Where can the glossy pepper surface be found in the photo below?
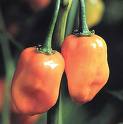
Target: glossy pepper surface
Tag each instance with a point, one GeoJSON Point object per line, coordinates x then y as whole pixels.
{"type": "Point", "coordinates": [36, 82]}
{"type": "Point", "coordinates": [86, 66]}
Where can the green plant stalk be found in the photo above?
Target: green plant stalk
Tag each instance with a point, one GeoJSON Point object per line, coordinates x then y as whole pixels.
{"type": "Point", "coordinates": [72, 17]}
{"type": "Point", "coordinates": [61, 23]}
{"type": "Point", "coordinates": [54, 115]}
{"type": "Point", "coordinates": [65, 2]}
{"type": "Point", "coordinates": [9, 69]}
{"type": "Point", "coordinates": [47, 48]}
{"type": "Point", "coordinates": [84, 30]}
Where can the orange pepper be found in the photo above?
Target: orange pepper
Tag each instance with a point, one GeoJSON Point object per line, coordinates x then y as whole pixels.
{"type": "Point", "coordinates": [36, 82]}
{"type": "Point", "coordinates": [86, 66]}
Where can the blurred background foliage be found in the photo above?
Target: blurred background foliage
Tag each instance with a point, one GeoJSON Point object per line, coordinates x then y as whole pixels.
{"type": "Point", "coordinates": [27, 24]}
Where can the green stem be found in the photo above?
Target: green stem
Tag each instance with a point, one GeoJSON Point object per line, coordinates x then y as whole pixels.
{"type": "Point", "coordinates": [54, 115]}
{"type": "Point", "coordinates": [84, 30]}
{"type": "Point", "coordinates": [61, 23]}
{"type": "Point", "coordinates": [9, 69]}
{"type": "Point", "coordinates": [72, 17]}
{"type": "Point", "coordinates": [65, 2]}
{"type": "Point", "coordinates": [47, 45]}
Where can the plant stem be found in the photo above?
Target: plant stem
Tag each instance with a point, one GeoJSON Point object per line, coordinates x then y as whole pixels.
{"type": "Point", "coordinates": [47, 45]}
{"type": "Point", "coordinates": [61, 24]}
{"type": "Point", "coordinates": [84, 30]}
{"type": "Point", "coordinates": [54, 115]}
{"type": "Point", "coordinates": [9, 69]}
{"type": "Point", "coordinates": [72, 17]}
{"type": "Point", "coordinates": [65, 2]}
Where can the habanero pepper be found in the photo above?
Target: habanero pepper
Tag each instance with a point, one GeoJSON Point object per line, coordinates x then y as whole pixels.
{"type": "Point", "coordinates": [36, 82]}
{"type": "Point", "coordinates": [86, 63]}
{"type": "Point", "coordinates": [86, 66]}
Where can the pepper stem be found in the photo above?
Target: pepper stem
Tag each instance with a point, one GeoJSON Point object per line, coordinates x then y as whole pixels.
{"type": "Point", "coordinates": [47, 47]}
{"type": "Point", "coordinates": [84, 30]}
{"type": "Point", "coordinates": [54, 115]}
{"type": "Point", "coordinates": [9, 70]}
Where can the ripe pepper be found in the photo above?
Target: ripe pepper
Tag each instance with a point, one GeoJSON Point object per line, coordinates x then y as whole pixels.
{"type": "Point", "coordinates": [86, 66]}
{"type": "Point", "coordinates": [36, 82]}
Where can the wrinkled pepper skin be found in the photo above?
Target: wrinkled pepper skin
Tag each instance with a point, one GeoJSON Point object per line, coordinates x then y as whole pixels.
{"type": "Point", "coordinates": [36, 82]}
{"type": "Point", "coordinates": [86, 66]}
